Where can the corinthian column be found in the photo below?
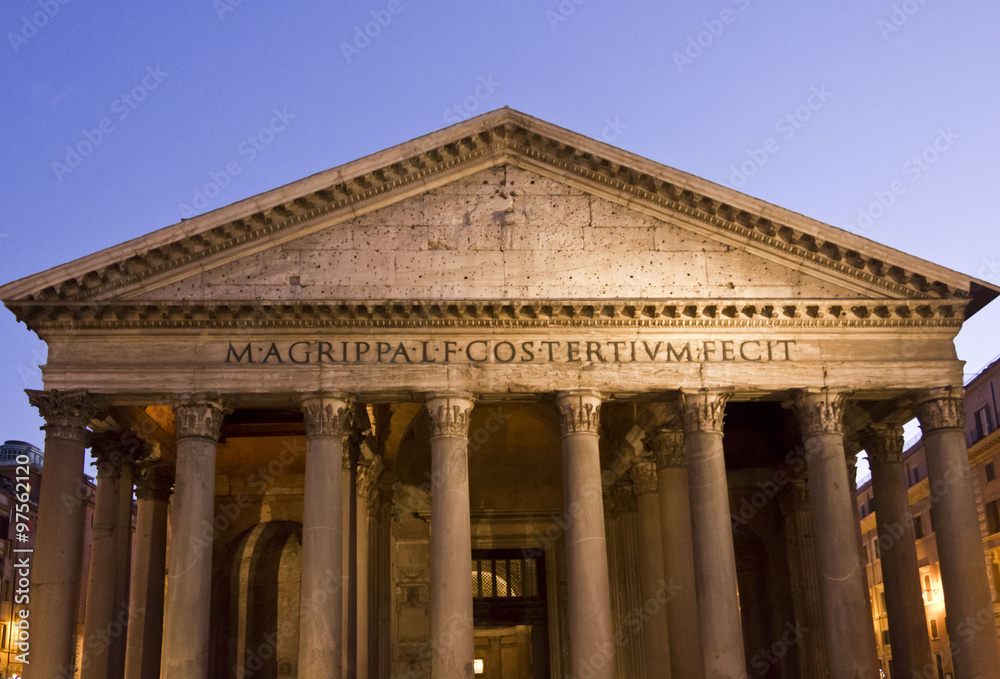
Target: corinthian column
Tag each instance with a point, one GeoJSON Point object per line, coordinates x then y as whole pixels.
{"type": "Point", "coordinates": [850, 639]}
{"type": "Point", "coordinates": [145, 632]}
{"type": "Point", "coordinates": [55, 572]}
{"type": "Point", "coordinates": [368, 476]}
{"type": "Point", "coordinates": [967, 599]}
{"type": "Point", "coordinates": [652, 583]}
{"type": "Point", "coordinates": [451, 537]}
{"type": "Point", "coordinates": [667, 446]}
{"type": "Point", "coordinates": [911, 648]}
{"type": "Point", "coordinates": [321, 634]}
{"type": "Point", "coordinates": [591, 647]}
{"type": "Point", "coordinates": [712, 535]}
{"type": "Point", "coordinates": [189, 582]}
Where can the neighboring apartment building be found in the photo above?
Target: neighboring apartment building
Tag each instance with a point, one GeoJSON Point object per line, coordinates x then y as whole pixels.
{"type": "Point", "coordinates": [982, 410]}
{"type": "Point", "coordinates": [13, 454]}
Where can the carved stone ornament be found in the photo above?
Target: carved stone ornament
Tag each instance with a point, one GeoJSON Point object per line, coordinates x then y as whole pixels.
{"type": "Point", "coordinates": [324, 415]}
{"type": "Point", "coordinates": [819, 411]}
{"type": "Point", "coordinates": [579, 412]}
{"type": "Point", "coordinates": [114, 450]}
{"type": "Point", "coordinates": [667, 446]}
{"type": "Point", "coordinates": [449, 415]}
{"type": "Point", "coordinates": [883, 442]}
{"type": "Point", "coordinates": [154, 481]}
{"type": "Point", "coordinates": [368, 478]}
{"type": "Point", "coordinates": [200, 418]}
{"type": "Point", "coordinates": [619, 498]}
{"type": "Point", "coordinates": [66, 414]}
{"type": "Point", "coordinates": [703, 410]}
{"type": "Point", "coordinates": [643, 473]}
{"type": "Point", "coordinates": [942, 409]}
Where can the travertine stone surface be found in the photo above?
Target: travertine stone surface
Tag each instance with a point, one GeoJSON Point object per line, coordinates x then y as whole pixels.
{"type": "Point", "coordinates": [502, 233]}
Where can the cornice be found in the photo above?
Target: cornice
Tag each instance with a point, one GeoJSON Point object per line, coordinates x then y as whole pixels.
{"type": "Point", "coordinates": [495, 139]}
{"type": "Point", "coordinates": [700, 313]}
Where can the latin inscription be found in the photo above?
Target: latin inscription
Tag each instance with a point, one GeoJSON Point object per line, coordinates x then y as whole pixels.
{"type": "Point", "coordinates": [503, 351]}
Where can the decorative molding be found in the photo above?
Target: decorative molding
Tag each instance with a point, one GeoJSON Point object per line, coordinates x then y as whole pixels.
{"type": "Point", "coordinates": [667, 446]}
{"type": "Point", "coordinates": [579, 412]}
{"type": "Point", "coordinates": [66, 414]}
{"type": "Point", "coordinates": [449, 414]}
{"type": "Point", "coordinates": [703, 410]}
{"type": "Point", "coordinates": [369, 475]}
{"type": "Point", "coordinates": [199, 417]}
{"type": "Point", "coordinates": [325, 415]}
{"type": "Point", "coordinates": [942, 408]}
{"type": "Point", "coordinates": [643, 473]}
{"type": "Point", "coordinates": [154, 481]}
{"type": "Point", "coordinates": [819, 410]}
{"type": "Point", "coordinates": [115, 450]}
{"type": "Point", "coordinates": [322, 314]}
{"type": "Point", "coordinates": [883, 443]}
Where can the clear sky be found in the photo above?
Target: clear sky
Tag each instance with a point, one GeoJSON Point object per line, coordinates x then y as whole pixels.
{"type": "Point", "coordinates": [818, 107]}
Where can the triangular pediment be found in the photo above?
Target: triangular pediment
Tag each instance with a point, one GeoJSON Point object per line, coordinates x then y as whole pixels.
{"type": "Point", "coordinates": [503, 206]}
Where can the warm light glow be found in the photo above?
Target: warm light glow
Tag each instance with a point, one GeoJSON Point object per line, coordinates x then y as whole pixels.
{"type": "Point", "coordinates": [478, 666]}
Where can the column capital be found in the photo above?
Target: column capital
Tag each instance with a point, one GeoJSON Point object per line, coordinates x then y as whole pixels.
{"type": "Point", "coordinates": [113, 450]}
{"type": "Point", "coordinates": [942, 408]}
{"type": "Point", "coordinates": [643, 473]}
{"type": "Point", "coordinates": [368, 478]}
{"type": "Point", "coordinates": [819, 410]}
{"type": "Point", "coordinates": [795, 497]}
{"type": "Point", "coordinates": [66, 413]}
{"type": "Point", "coordinates": [449, 413]}
{"type": "Point", "coordinates": [579, 411]}
{"type": "Point", "coordinates": [703, 410]}
{"type": "Point", "coordinates": [199, 416]}
{"type": "Point", "coordinates": [154, 481]}
{"type": "Point", "coordinates": [667, 446]}
{"type": "Point", "coordinates": [324, 414]}
{"type": "Point", "coordinates": [619, 498]}
{"type": "Point", "coordinates": [883, 442]}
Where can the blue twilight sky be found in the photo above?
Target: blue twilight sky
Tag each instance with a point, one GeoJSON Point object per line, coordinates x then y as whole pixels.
{"type": "Point", "coordinates": [818, 107]}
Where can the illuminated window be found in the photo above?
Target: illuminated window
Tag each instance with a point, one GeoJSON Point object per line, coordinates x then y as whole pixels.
{"type": "Point", "coordinates": [993, 517]}
{"type": "Point", "coordinates": [934, 628]}
{"type": "Point", "coordinates": [504, 578]}
{"type": "Point", "coordinates": [918, 527]}
{"type": "Point", "coordinates": [477, 666]}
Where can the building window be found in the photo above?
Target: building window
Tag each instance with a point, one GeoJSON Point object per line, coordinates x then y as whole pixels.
{"type": "Point", "coordinates": [871, 504]}
{"type": "Point", "coordinates": [885, 637]}
{"type": "Point", "coordinates": [990, 472]}
{"type": "Point", "coordinates": [940, 666]}
{"type": "Point", "coordinates": [993, 517]}
{"type": "Point", "coordinates": [982, 423]}
{"type": "Point", "coordinates": [934, 628]}
{"type": "Point", "coordinates": [504, 578]}
{"type": "Point", "coordinates": [876, 550]}
{"type": "Point", "coordinates": [918, 527]}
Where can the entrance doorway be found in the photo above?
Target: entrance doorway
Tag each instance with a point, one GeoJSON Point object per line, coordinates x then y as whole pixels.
{"type": "Point", "coordinates": [511, 614]}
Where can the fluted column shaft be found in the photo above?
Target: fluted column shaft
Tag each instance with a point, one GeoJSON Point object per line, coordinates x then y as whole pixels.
{"type": "Point", "coordinates": [451, 537]}
{"type": "Point", "coordinates": [189, 586]}
{"type": "Point", "coordinates": [368, 476]}
{"type": "Point", "coordinates": [652, 583]}
{"type": "Point", "coordinates": [146, 595]}
{"type": "Point", "coordinates": [56, 565]}
{"type": "Point", "coordinates": [321, 617]}
{"type": "Point", "coordinates": [969, 605]}
{"type": "Point", "coordinates": [712, 536]}
{"type": "Point", "coordinates": [99, 637]}
{"type": "Point", "coordinates": [591, 645]}
{"type": "Point", "coordinates": [667, 446]}
{"type": "Point", "coordinates": [850, 638]}
{"type": "Point", "coordinates": [911, 648]}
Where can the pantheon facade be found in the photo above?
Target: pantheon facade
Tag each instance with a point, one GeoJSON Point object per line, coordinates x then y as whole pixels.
{"type": "Point", "coordinates": [501, 401]}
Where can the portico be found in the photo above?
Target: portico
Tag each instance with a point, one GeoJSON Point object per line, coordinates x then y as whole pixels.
{"type": "Point", "coordinates": [502, 393]}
